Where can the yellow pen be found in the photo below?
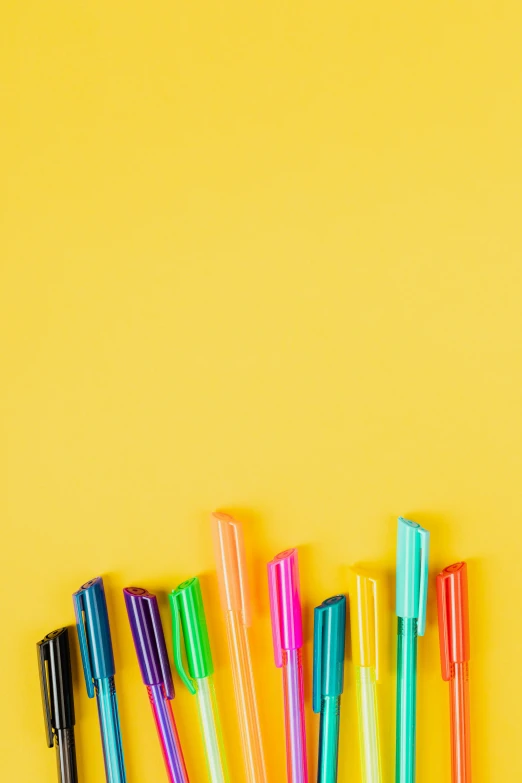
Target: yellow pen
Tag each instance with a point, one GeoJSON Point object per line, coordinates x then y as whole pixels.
{"type": "Point", "coordinates": [365, 618]}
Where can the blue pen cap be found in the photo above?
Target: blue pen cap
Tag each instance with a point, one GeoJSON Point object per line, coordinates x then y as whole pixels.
{"type": "Point", "coordinates": [94, 634]}
{"type": "Point", "coordinates": [412, 572]}
{"type": "Point", "coordinates": [329, 639]}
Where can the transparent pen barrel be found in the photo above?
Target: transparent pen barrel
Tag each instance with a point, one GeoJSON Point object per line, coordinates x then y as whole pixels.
{"type": "Point", "coordinates": [211, 730]}
{"type": "Point", "coordinates": [368, 724]}
{"type": "Point", "coordinates": [110, 730]}
{"type": "Point", "coordinates": [246, 703]}
{"type": "Point", "coordinates": [66, 755]}
{"type": "Point", "coordinates": [329, 740]}
{"type": "Point", "coordinates": [406, 700]}
{"type": "Point", "coordinates": [460, 724]}
{"type": "Point", "coordinates": [296, 762]}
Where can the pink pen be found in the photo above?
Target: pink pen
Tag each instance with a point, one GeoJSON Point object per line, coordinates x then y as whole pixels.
{"type": "Point", "coordinates": [287, 633]}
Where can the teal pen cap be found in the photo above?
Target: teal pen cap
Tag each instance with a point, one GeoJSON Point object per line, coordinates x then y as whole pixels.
{"type": "Point", "coordinates": [329, 636]}
{"type": "Point", "coordinates": [412, 572]}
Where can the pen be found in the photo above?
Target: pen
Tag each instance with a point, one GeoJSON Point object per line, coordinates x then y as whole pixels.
{"type": "Point", "coordinates": [452, 600]}
{"type": "Point", "coordinates": [328, 681]}
{"type": "Point", "coordinates": [94, 635]}
{"type": "Point", "coordinates": [411, 595]}
{"type": "Point", "coordinates": [54, 664]}
{"type": "Point", "coordinates": [232, 578]}
{"type": "Point", "coordinates": [188, 619]}
{"type": "Point", "coordinates": [149, 641]}
{"type": "Point", "coordinates": [287, 633]}
{"type": "Point", "coordinates": [365, 624]}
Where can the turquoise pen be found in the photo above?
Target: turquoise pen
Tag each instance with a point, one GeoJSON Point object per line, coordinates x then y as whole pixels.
{"type": "Point", "coordinates": [411, 593]}
{"type": "Point", "coordinates": [329, 635]}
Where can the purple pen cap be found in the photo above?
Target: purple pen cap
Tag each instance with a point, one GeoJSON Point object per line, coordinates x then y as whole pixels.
{"type": "Point", "coordinates": [149, 640]}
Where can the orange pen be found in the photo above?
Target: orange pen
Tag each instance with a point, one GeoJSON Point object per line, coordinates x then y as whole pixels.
{"type": "Point", "coordinates": [231, 571]}
{"type": "Point", "coordinates": [452, 600]}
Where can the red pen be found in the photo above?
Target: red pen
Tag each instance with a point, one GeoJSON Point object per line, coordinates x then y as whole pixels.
{"type": "Point", "coordinates": [452, 600]}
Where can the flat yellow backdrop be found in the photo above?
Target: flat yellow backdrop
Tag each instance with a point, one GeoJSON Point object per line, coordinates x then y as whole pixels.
{"type": "Point", "coordinates": [264, 257]}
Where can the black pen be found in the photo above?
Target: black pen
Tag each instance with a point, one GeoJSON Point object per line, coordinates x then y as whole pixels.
{"type": "Point", "coordinates": [54, 664]}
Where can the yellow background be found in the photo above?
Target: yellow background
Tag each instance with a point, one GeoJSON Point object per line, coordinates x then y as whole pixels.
{"type": "Point", "coordinates": [265, 257]}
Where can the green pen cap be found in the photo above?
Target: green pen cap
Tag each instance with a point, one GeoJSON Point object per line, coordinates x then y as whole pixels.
{"type": "Point", "coordinates": [329, 636]}
{"type": "Point", "coordinates": [412, 572]}
{"type": "Point", "coordinates": [188, 618]}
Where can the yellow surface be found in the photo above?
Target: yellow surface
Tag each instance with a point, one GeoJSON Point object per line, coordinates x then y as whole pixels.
{"type": "Point", "coordinates": [265, 257]}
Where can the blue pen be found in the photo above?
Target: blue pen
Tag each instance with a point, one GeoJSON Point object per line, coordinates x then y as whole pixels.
{"type": "Point", "coordinates": [92, 622]}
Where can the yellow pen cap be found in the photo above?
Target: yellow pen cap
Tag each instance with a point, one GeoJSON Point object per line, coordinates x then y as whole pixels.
{"type": "Point", "coordinates": [365, 616]}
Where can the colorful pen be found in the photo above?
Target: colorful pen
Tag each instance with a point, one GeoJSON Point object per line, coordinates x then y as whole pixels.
{"type": "Point", "coordinates": [328, 681]}
{"type": "Point", "coordinates": [54, 664]}
{"type": "Point", "coordinates": [287, 633]}
{"type": "Point", "coordinates": [232, 578]}
{"type": "Point", "coordinates": [365, 624]}
{"type": "Point", "coordinates": [94, 635]}
{"type": "Point", "coordinates": [188, 619]}
{"type": "Point", "coordinates": [411, 595]}
{"type": "Point", "coordinates": [452, 599]}
{"type": "Point", "coordinates": [147, 632]}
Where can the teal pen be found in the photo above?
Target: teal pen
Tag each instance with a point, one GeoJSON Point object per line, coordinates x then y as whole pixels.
{"type": "Point", "coordinates": [411, 594]}
{"type": "Point", "coordinates": [328, 681]}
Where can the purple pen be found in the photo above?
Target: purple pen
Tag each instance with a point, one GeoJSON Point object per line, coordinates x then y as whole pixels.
{"type": "Point", "coordinates": [145, 622]}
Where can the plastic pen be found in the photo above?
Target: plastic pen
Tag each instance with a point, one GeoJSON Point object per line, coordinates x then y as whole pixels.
{"type": "Point", "coordinates": [54, 664]}
{"type": "Point", "coordinates": [287, 633]}
{"type": "Point", "coordinates": [328, 681]}
{"type": "Point", "coordinates": [411, 595]}
{"type": "Point", "coordinates": [94, 635]}
{"type": "Point", "coordinates": [452, 599]}
{"type": "Point", "coordinates": [188, 619]}
{"type": "Point", "coordinates": [149, 641]}
{"type": "Point", "coordinates": [365, 624]}
{"type": "Point", "coordinates": [231, 571]}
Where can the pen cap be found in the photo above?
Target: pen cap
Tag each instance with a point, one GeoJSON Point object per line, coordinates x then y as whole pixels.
{"type": "Point", "coordinates": [188, 617]}
{"type": "Point", "coordinates": [285, 603]}
{"type": "Point", "coordinates": [365, 617]}
{"type": "Point", "coordinates": [452, 602]}
{"type": "Point", "coordinates": [329, 639]}
{"type": "Point", "coordinates": [54, 664]}
{"type": "Point", "coordinates": [94, 634]}
{"type": "Point", "coordinates": [149, 640]}
{"type": "Point", "coordinates": [412, 572]}
{"type": "Point", "coordinates": [229, 549]}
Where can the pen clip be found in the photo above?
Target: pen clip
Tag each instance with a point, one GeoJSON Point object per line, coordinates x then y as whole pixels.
{"type": "Point", "coordinates": [42, 648]}
{"type": "Point", "coordinates": [376, 619]}
{"type": "Point", "coordinates": [424, 542]}
{"type": "Point", "coordinates": [159, 637]}
{"type": "Point", "coordinates": [84, 645]}
{"type": "Point", "coordinates": [176, 642]}
{"type": "Point", "coordinates": [317, 686]}
{"type": "Point", "coordinates": [444, 631]}
{"type": "Point", "coordinates": [273, 592]}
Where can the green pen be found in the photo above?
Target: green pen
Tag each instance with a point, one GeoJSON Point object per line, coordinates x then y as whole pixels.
{"type": "Point", "coordinates": [188, 617]}
{"type": "Point", "coordinates": [411, 594]}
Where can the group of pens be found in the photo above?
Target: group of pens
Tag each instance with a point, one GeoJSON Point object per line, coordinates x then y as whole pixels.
{"type": "Point", "coordinates": [188, 618]}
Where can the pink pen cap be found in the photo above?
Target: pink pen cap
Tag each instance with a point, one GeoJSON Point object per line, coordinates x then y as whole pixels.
{"type": "Point", "coordinates": [285, 603]}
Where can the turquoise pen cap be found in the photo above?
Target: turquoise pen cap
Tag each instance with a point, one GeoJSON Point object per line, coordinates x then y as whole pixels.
{"type": "Point", "coordinates": [412, 572]}
{"type": "Point", "coordinates": [329, 636]}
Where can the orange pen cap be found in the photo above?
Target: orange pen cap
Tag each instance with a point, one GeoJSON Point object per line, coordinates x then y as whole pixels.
{"type": "Point", "coordinates": [452, 602]}
{"type": "Point", "coordinates": [229, 549]}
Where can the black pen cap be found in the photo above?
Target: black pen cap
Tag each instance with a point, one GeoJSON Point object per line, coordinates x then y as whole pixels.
{"type": "Point", "coordinates": [54, 663]}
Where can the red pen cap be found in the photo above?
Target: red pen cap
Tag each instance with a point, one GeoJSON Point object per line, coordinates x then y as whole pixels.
{"type": "Point", "coordinates": [452, 600]}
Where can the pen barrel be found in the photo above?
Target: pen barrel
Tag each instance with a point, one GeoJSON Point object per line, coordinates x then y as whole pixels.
{"type": "Point", "coordinates": [406, 700]}
{"type": "Point", "coordinates": [110, 730]}
{"type": "Point", "coordinates": [66, 755]}
{"type": "Point", "coordinates": [368, 724]}
{"type": "Point", "coordinates": [168, 734]}
{"type": "Point", "coordinates": [211, 730]}
{"type": "Point", "coordinates": [328, 760]}
{"type": "Point", "coordinates": [296, 762]}
{"type": "Point", "coordinates": [245, 694]}
{"type": "Point", "coordinates": [460, 724]}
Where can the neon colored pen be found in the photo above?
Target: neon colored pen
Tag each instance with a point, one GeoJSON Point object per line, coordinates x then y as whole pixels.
{"type": "Point", "coordinates": [411, 595]}
{"type": "Point", "coordinates": [54, 664]}
{"type": "Point", "coordinates": [94, 635]}
{"type": "Point", "coordinates": [452, 600]}
{"type": "Point", "coordinates": [328, 681]}
{"type": "Point", "coordinates": [232, 578]}
{"type": "Point", "coordinates": [188, 619]}
{"type": "Point", "coordinates": [287, 633]}
{"type": "Point", "coordinates": [365, 623]}
{"type": "Point", "coordinates": [149, 641]}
